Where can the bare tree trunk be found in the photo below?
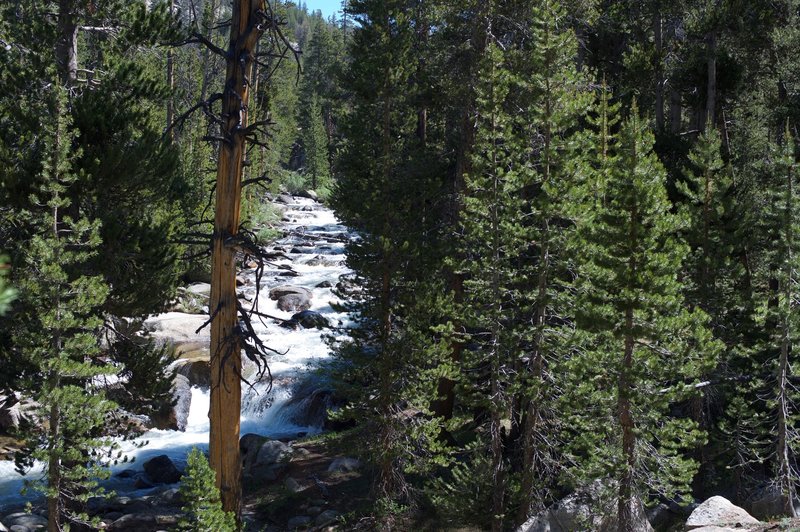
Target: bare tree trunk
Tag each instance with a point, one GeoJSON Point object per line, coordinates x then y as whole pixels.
{"type": "Point", "coordinates": [171, 82]}
{"type": "Point", "coordinates": [226, 359]}
{"type": "Point", "coordinates": [786, 479]}
{"type": "Point", "coordinates": [711, 90]}
{"type": "Point", "coordinates": [67, 43]}
{"type": "Point", "coordinates": [658, 37]}
{"type": "Point", "coordinates": [626, 493]}
{"type": "Point", "coordinates": [675, 112]}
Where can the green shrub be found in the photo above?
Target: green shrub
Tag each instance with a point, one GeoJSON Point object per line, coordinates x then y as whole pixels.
{"type": "Point", "coordinates": [203, 507]}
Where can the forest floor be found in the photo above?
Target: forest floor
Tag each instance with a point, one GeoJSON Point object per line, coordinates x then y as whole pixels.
{"type": "Point", "coordinates": [309, 492]}
{"type": "Point", "coordinates": [346, 496]}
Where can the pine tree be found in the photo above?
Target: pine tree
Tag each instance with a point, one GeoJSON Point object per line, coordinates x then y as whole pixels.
{"type": "Point", "coordinates": [315, 145]}
{"type": "Point", "coordinates": [644, 350]}
{"type": "Point", "coordinates": [61, 338]}
{"type": "Point", "coordinates": [707, 191]}
{"type": "Point", "coordinates": [386, 184]}
{"type": "Point", "coordinates": [203, 508]}
{"type": "Point", "coordinates": [491, 243]}
{"type": "Point", "coordinates": [552, 100]}
{"type": "Point", "coordinates": [784, 224]}
{"type": "Point", "coordinates": [7, 293]}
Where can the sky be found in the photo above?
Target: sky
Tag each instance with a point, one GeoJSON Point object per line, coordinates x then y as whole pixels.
{"type": "Point", "coordinates": [328, 7]}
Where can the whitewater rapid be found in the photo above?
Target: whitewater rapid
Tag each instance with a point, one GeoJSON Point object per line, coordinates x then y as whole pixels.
{"type": "Point", "coordinates": [313, 249]}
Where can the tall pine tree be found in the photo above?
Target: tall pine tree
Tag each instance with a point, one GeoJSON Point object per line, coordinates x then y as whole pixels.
{"type": "Point", "coordinates": [61, 338]}
{"type": "Point", "coordinates": [644, 351]}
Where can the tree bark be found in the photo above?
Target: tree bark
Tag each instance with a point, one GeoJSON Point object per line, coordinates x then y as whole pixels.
{"type": "Point", "coordinates": [711, 90]}
{"type": "Point", "coordinates": [226, 360]}
{"type": "Point", "coordinates": [658, 38]}
{"type": "Point", "coordinates": [782, 451]}
{"type": "Point", "coordinates": [67, 43]}
{"type": "Point", "coordinates": [171, 82]}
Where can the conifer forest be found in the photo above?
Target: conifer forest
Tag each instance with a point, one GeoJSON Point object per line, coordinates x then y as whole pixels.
{"type": "Point", "coordinates": [402, 265]}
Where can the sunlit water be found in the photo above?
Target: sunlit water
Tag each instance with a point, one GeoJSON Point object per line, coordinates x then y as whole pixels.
{"type": "Point", "coordinates": [269, 413]}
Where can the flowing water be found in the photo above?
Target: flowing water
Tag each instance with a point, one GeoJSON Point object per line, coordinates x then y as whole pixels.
{"type": "Point", "coordinates": [312, 250]}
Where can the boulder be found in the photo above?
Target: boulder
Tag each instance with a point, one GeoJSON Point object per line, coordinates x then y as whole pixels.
{"type": "Point", "coordinates": [324, 284]}
{"type": "Point", "coordinates": [272, 452]}
{"type": "Point", "coordinates": [176, 416]}
{"type": "Point", "coordinates": [144, 522]}
{"type": "Point", "coordinates": [292, 485]}
{"type": "Point", "coordinates": [720, 512]}
{"type": "Point", "coordinates": [201, 289]}
{"type": "Point", "coordinates": [310, 409]}
{"type": "Point", "coordinates": [591, 508]}
{"type": "Point", "coordinates": [26, 520]}
{"type": "Point", "coordinates": [161, 470]}
{"type": "Point", "coordinates": [268, 462]}
{"type": "Point", "coordinates": [767, 502]}
{"type": "Point", "coordinates": [310, 194]}
{"type": "Point", "coordinates": [286, 199]}
{"type": "Point", "coordinates": [298, 522]}
{"type": "Point", "coordinates": [308, 319]}
{"type": "Point", "coordinates": [347, 286]}
{"type": "Point", "coordinates": [326, 517]}
{"type": "Point", "coordinates": [178, 328]}
{"type": "Point", "coordinates": [344, 465]}
{"type": "Point", "coordinates": [198, 372]}
{"type": "Point", "coordinates": [249, 444]}
{"type": "Point", "coordinates": [14, 409]}
{"type": "Point", "coordinates": [282, 290]}
{"type": "Point", "coordinates": [294, 303]}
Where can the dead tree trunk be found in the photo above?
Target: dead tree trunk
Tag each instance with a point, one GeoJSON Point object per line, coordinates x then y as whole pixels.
{"type": "Point", "coordinates": [226, 359]}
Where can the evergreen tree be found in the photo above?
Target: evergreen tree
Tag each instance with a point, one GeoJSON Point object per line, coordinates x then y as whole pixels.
{"type": "Point", "coordinates": [203, 508]}
{"type": "Point", "coordinates": [644, 350]}
{"type": "Point", "coordinates": [491, 243]}
{"type": "Point", "coordinates": [386, 182]}
{"type": "Point", "coordinates": [315, 145]}
{"type": "Point", "coordinates": [711, 275]}
{"type": "Point", "coordinates": [7, 293]}
{"type": "Point", "coordinates": [783, 322]}
{"type": "Point", "coordinates": [61, 338]}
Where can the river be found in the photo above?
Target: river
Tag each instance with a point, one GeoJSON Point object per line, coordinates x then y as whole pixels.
{"type": "Point", "coordinates": [310, 255]}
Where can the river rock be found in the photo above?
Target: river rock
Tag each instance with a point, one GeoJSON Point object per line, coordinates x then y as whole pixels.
{"type": "Point", "coordinates": [198, 372]}
{"type": "Point", "coordinates": [591, 508]}
{"type": "Point", "coordinates": [286, 199]}
{"type": "Point", "coordinates": [272, 452]}
{"type": "Point", "coordinates": [298, 522]}
{"type": "Point", "coordinates": [294, 303]}
{"type": "Point", "coordinates": [249, 444]}
{"type": "Point", "coordinates": [161, 470]}
{"type": "Point", "coordinates": [142, 522]}
{"type": "Point", "coordinates": [326, 517]}
{"type": "Point", "coordinates": [719, 511]}
{"type": "Point", "coordinates": [268, 463]}
{"type": "Point", "coordinates": [310, 194]}
{"type": "Point", "coordinates": [347, 286]}
{"type": "Point", "coordinates": [344, 465]}
{"type": "Point", "coordinates": [309, 319]}
{"type": "Point", "coordinates": [176, 416]}
{"type": "Point", "coordinates": [282, 290]}
{"type": "Point", "coordinates": [311, 408]}
{"type": "Point", "coordinates": [324, 284]}
{"type": "Point", "coordinates": [178, 328]}
{"type": "Point", "coordinates": [26, 520]}
{"type": "Point", "coordinates": [292, 485]}
{"type": "Point", "coordinates": [766, 503]}
{"type": "Point", "coordinates": [14, 409]}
